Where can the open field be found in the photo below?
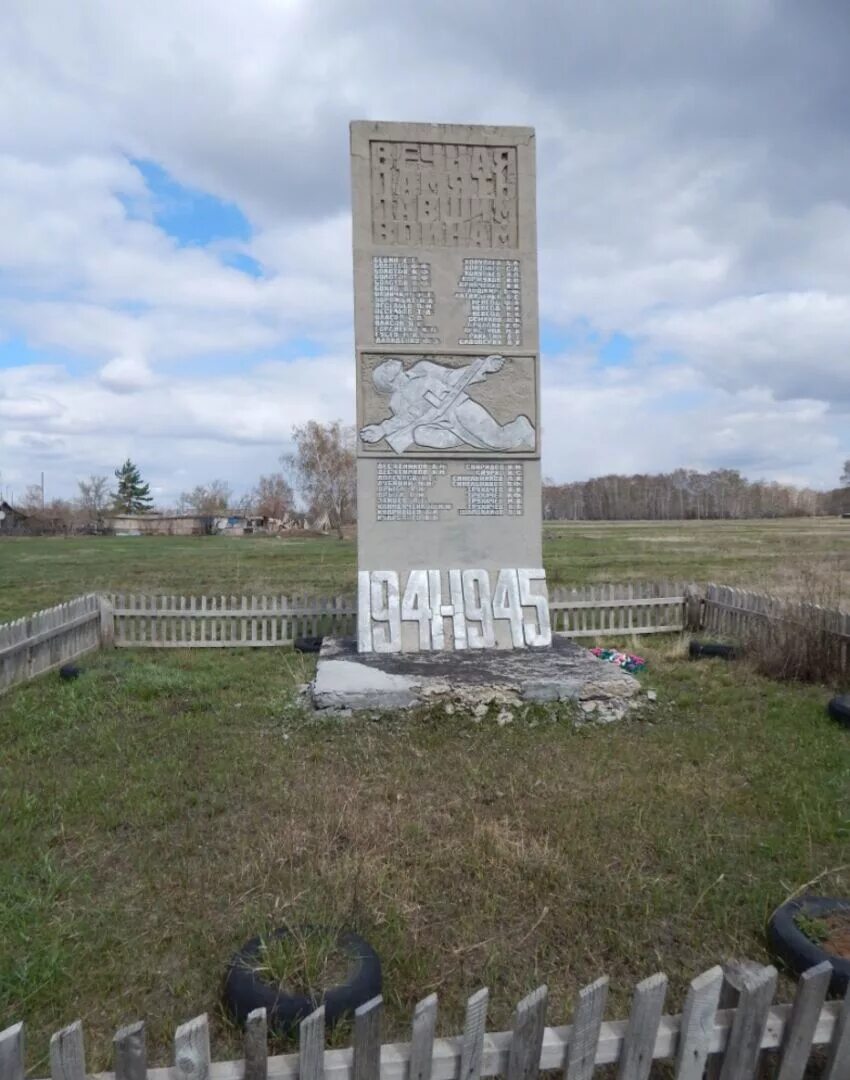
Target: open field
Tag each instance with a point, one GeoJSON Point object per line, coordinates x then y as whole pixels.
{"type": "Point", "coordinates": [163, 808]}
{"type": "Point", "coordinates": [38, 572]}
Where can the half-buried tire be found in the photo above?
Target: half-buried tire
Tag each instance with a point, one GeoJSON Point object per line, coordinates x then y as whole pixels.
{"type": "Point", "coordinates": [797, 950]}
{"type": "Point", "coordinates": [839, 709]}
{"type": "Point", "coordinates": [698, 649]}
{"type": "Point", "coordinates": [307, 644]}
{"type": "Point", "coordinates": [245, 991]}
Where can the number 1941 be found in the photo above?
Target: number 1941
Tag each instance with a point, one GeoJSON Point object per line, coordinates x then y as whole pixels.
{"type": "Point", "coordinates": [471, 607]}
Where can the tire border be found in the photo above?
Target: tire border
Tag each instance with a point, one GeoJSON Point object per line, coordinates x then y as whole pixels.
{"type": "Point", "coordinates": [697, 649]}
{"type": "Point", "coordinates": [244, 991]}
{"type": "Point", "coordinates": [308, 643]}
{"type": "Point", "coordinates": [800, 953]}
{"type": "Point", "coordinates": [839, 709]}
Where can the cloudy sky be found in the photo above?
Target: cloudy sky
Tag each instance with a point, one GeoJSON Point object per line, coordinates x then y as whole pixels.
{"type": "Point", "coordinates": [175, 268]}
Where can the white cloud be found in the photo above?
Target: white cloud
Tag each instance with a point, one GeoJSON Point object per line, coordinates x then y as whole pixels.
{"type": "Point", "coordinates": [126, 375]}
{"type": "Point", "coordinates": [692, 194]}
{"type": "Point", "coordinates": [179, 428]}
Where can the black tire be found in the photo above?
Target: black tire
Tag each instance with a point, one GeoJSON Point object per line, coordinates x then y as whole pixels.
{"type": "Point", "coordinates": [797, 951]}
{"type": "Point", "coordinates": [245, 991]}
{"type": "Point", "coordinates": [839, 709]}
{"type": "Point", "coordinates": [308, 644]}
{"type": "Point", "coordinates": [697, 649]}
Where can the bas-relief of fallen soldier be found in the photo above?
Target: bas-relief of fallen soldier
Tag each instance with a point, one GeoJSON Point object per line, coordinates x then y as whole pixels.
{"type": "Point", "coordinates": [430, 409]}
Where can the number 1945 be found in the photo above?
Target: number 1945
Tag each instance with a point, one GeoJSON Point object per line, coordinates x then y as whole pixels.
{"type": "Point", "coordinates": [472, 608]}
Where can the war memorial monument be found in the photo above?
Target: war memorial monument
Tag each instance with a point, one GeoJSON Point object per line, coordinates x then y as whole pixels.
{"type": "Point", "coordinates": [446, 340]}
{"type": "Point", "coordinates": [451, 587]}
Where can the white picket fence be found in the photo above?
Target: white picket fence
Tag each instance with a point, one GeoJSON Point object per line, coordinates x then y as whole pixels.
{"type": "Point", "coordinates": [204, 622]}
{"type": "Point", "coordinates": [255, 621]}
{"type": "Point", "coordinates": [728, 1041]}
{"type": "Point", "coordinates": [48, 639]}
{"type": "Point", "coordinates": [603, 610]}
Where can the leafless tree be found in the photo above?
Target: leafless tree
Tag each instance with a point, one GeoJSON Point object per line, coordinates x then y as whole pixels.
{"type": "Point", "coordinates": [682, 494]}
{"type": "Point", "coordinates": [93, 499]}
{"type": "Point", "coordinates": [206, 499]}
{"type": "Point", "coordinates": [272, 497]}
{"type": "Point", "coordinates": [323, 467]}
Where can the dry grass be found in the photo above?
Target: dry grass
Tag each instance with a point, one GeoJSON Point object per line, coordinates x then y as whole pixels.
{"type": "Point", "coordinates": [163, 809]}
{"type": "Point", "coordinates": [797, 638]}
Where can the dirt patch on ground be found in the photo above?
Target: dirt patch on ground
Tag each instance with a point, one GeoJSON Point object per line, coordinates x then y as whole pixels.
{"type": "Point", "coordinates": [838, 941]}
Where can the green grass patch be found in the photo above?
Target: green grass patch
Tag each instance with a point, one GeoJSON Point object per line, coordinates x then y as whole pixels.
{"type": "Point", "coordinates": [38, 572]}
{"type": "Point", "coordinates": [165, 807]}
{"type": "Point", "coordinates": [305, 960]}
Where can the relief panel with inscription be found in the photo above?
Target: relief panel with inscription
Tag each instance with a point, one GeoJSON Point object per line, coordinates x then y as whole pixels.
{"type": "Point", "coordinates": [448, 404]}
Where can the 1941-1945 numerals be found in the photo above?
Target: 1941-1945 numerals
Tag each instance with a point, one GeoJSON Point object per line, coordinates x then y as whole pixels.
{"type": "Point", "coordinates": [472, 606]}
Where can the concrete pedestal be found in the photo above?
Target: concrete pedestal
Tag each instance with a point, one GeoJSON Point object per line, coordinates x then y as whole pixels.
{"type": "Point", "coordinates": [564, 671]}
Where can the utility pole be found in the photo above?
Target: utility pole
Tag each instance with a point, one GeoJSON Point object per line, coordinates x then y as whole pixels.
{"type": "Point", "coordinates": [42, 490]}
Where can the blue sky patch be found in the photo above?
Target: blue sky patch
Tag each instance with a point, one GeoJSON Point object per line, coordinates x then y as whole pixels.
{"type": "Point", "coordinates": [618, 349]}
{"type": "Point", "coordinates": [15, 352]}
{"type": "Point", "coordinates": [190, 216]}
{"type": "Point", "coordinates": [238, 260]}
{"type": "Point", "coordinates": [580, 336]}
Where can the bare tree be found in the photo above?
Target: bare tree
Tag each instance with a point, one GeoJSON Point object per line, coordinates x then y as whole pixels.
{"type": "Point", "coordinates": [212, 498]}
{"type": "Point", "coordinates": [845, 476]}
{"type": "Point", "coordinates": [93, 498]}
{"type": "Point", "coordinates": [323, 466]}
{"type": "Point", "coordinates": [272, 497]}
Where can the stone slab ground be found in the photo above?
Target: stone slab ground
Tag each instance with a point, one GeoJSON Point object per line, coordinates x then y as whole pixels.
{"type": "Point", "coordinates": [564, 671]}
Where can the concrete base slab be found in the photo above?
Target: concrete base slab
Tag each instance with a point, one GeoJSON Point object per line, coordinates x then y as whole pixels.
{"type": "Point", "coordinates": [564, 671]}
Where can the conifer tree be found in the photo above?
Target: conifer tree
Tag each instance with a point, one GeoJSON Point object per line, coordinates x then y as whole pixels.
{"type": "Point", "coordinates": [132, 496]}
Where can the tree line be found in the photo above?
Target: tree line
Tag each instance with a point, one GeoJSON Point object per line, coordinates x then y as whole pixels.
{"type": "Point", "coordinates": [318, 477]}
{"type": "Point", "coordinates": [686, 494]}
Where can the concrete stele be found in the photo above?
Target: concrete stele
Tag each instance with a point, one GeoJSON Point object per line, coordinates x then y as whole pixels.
{"type": "Point", "coordinates": [448, 389]}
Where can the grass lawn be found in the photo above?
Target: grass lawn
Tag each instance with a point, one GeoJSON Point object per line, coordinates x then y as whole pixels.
{"type": "Point", "coordinates": [163, 808]}
{"type": "Point", "coordinates": [38, 572]}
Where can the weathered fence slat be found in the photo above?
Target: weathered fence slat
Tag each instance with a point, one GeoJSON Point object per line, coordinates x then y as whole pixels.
{"type": "Point", "coordinates": [527, 1036]}
{"type": "Point", "coordinates": [838, 1060]}
{"type": "Point", "coordinates": [129, 1052]}
{"type": "Point", "coordinates": [256, 1046]}
{"type": "Point", "coordinates": [698, 1024]}
{"type": "Point", "coordinates": [12, 1053]}
{"type": "Point", "coordinates": [800, 1029]}
{"type": "Point", "coordinates": [367, 1040]}
{"type": "Point", "coordinates": [311, 1046]}
{"type": "Point", "coordinates": [472, 1045]}
{"type": "Point", "coordinates": [587, 1022]}
{"type": "Point", "coordinates": [422, 1038]}
{"type": "Point", "coordinates": [745, 1038]}
{"type": "Point", "coordinates": [67, 1054]}
{"type": "Point", "coordinates": [192, 1050]}
{"type": "Point", "coordinates": [644, 1018]}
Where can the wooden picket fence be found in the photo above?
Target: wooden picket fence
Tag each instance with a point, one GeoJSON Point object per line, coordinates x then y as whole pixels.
{"type": "Point", "coordinates": [48, 639]}
{"type": "Point", "coordinates": [603, 610]}
{"type": "Point", "coordinates": [727, 1041]}
{"type": "Point", "coordinates": [221, 621]}
{"type": "Point", "coordinates": [204, 622]}
{"type": "Point", "coordinates": [57, 635]}
{"type": "Point", "coordinates": [740, 614]}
